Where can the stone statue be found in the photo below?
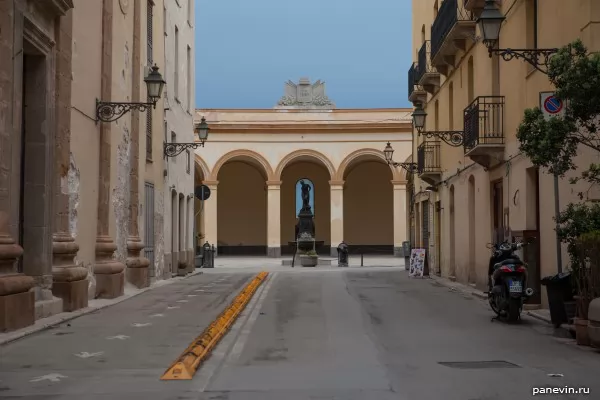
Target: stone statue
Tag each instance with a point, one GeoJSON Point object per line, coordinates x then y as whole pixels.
{"type": "Point", "coordinates": [305, 191]}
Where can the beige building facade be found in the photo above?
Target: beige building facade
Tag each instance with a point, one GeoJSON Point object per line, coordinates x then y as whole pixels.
{"type": "Point", "coordinates": [178, 194]}
{"type": "Point", "coordinates": [484, 190]}
{"type": "Point", "coordinates": [72, 199]}
{"type": "Point", "coordinates": [254, 159]}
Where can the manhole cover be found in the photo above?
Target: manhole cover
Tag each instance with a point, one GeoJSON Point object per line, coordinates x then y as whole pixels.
{"type": "Point", "coordinates": [478, 364]}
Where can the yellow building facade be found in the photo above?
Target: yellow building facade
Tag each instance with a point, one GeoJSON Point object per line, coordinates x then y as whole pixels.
{"type": "Point", "coordinates": [254, 159]}
{"type": "Point", "coordinates": [482, 189]}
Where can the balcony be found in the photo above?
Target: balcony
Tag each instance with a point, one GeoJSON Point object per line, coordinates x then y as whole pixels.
{"type": "Point", "coordinates": [427, 76]}
{"type": "Point", "coordinates": [416, 94]}
{"type": "Point", "coordinates": [453, 26]}
{"type": "Point", "coordinates": [476, 6]}
{"type": "Point", "coordinates": [484, 130]}
{"type": "Point", "coordinates": [429, 162]}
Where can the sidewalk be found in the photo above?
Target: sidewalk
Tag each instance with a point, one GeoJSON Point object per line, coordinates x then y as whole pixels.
{"type": "Point", "coordinates": [93, 305]}
{"type": "Point", "coordinates": [540, 315]}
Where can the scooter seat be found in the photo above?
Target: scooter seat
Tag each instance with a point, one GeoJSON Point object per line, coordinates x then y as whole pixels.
{"type": "Point", "coordinates": [508, 261]}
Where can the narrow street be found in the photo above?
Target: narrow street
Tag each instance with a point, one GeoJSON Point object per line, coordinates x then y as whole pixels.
{"type": "Point", "coordinates": [370, 333]}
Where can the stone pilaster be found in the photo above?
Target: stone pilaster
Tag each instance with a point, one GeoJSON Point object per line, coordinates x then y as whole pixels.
{"type": "Point", "coordinates": [17, 309]}
{"type": "Point", "coordinates": [274, 218]}
{"type": "Point", "coordinates": [137, 265]}
{"type": "Point", "coordinates": [400, 233]}
{"type": "Point", "coordinates": [110, 277]}
{"type": "Point", "coordinates": [337, 214]}
{"type": "Point", "coordinates": [69, 280]}
{"type": "Point", "coordinates": [210, 214]}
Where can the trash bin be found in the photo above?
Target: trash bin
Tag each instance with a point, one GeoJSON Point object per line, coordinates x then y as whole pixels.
{"type": "Point", "coordinates": [406, 253]}
{"type": "Point", "coordinates": [560, 298]}
{"type": "Point", "coordinates": [342, 251]}
{"type": "Point", "coordinates": [207, 261]}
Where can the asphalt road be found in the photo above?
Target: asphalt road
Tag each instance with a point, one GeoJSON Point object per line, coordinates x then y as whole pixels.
{"type": "Point", "coordinates": [370, 333]}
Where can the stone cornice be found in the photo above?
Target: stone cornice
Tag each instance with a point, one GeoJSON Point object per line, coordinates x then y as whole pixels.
{"type": "Point", "coordinates": [311, 128]}
{"type": "Point", "coordinates": [337, 183]}
{"type": "Point", "coordinates": [399, 182]}
{"type": "Point", "coordinates": [60, 7]}
{"type": "Point", "coordinates": [273, 183]}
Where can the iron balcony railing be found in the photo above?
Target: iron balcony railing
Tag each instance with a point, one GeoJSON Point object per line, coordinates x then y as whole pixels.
{"type": "Point", "coordinates": [484, 122]}
{"type": "Point", "coordinates": [424, 62]}
{"type": "Point", "coordinates": [412, 78]}
{"type": "Point", "coordinates": [448, 15]}
{"type": "Point", "coordinates": [428, 157]}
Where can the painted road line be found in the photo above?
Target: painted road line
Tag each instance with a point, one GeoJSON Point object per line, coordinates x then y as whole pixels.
{"type": "Point", "coordinates": [188, 363]}
{"type": "Point", "coordinates": [204, 377]}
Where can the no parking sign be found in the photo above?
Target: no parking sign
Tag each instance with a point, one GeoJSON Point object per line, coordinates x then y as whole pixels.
{"type": "Point", "coordinates": [550, 105]}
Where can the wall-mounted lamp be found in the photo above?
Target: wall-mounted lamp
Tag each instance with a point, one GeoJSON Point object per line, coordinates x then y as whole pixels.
{"type": "Point", "coordinates": [174, 149]}
{"type": "Point", "coordinates": [452, 138]}
{"type": "Point", "coordinates": [411, 168]}
{"type": "Point", "coordinates": [490, 23]}
{"type": "Point", "coordinates": [110, 111]}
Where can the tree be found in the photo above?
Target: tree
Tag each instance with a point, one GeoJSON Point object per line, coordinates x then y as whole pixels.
{"type": "Point", "coordinates": [554, 143]}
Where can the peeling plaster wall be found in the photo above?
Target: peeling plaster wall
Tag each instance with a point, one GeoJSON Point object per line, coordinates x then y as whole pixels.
{"type": "Point", "coordinates": [120, 198]}
{"type": "Point", "coordinates": [70, 186]}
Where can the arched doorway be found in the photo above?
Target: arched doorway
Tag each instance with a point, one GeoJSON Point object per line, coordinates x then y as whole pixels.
{"type": "Point", "coordinates": [452, 262]}
{"type": "Point", "coordinates": [317, 170]}
{"type": "Point", "coordinates": [368, 205]}
{"type": "Point", "coordinates": [471, 205]}
{"type": "Point", "coordinates": [200, 175]}
{"type": "Point", "coordinates": [242, 204]}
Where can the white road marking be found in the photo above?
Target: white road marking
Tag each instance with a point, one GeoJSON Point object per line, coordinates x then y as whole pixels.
{"type": "Point", "coordinates": [199, 290]}
{"type": "Point", "coordinates": [85, 354]}
{"type": "Point", "coordinates": [157, 315]}
{"type": "Point", "coordinates": [49, 377]}
{"type": "Point", "coordinates": [192, 295]}
{"type": "Point", "coordinates": [138, 325]}
{"type": "Point", "coordinates": [172, 307]}
{"type": "Point", "coordinates": [120, 337]}
{"type": "Point", "coordinates": [239, 328]}
{"type": "Point", "coordinates": [182, 301]}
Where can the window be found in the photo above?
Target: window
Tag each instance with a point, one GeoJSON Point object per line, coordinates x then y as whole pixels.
{"type": "Point", "coordinates": [311, 192]}
{"type": "Point", "coordinates": [150, 27]}
{"type": "Point", "coordinates": [451, 105]}
{"type": "Point", "coordinates": [188, 158]}
{"type": "Point", "coordinates": [149, 132]}
{"type": "Point", "coordinates": [189, 78]}
{"type": "Point", "coordinates": [173, 140]}
{"type": "Point", "coordinates": [176, 63]}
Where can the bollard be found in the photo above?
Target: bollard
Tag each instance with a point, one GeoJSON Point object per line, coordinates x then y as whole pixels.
{"type": "Point", "coordinates": [212, 256]}
{"type": "Point", "coordinates": [406, 253]}
{"type": "Point", "coordinates": [361, 258]}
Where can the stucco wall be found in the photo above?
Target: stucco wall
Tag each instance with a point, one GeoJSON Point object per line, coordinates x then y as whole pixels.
{"type": "Point", "coordinates": [521, 84]}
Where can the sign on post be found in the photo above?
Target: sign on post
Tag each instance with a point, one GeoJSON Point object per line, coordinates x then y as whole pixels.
{"type": "Point", "coordinates": [551, 106]}
{"type": "Point", "coordinates": [417, 262]}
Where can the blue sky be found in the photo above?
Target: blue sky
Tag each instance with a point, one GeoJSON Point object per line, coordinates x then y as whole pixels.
{"type": "Point", "coordinates": [247, 49]}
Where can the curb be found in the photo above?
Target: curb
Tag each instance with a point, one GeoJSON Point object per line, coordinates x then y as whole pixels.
{"type": "Point", "coordinates": [58, 319]}
{"type": "Point", "coordinates": [459, 287]}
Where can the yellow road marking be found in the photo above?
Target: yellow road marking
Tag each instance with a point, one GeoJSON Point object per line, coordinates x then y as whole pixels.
{"type": "Point", "coordinates": [189, 361]}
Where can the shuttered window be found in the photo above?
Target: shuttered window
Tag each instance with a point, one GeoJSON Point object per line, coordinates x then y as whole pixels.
{"type": "Point", "coordinates": [150, 27]}
{"type": "Point", "coordinates": [149, 132]}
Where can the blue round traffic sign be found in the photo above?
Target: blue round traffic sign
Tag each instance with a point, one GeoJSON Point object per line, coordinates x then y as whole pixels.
{"type": "Point", "coordinates": [552, 105]}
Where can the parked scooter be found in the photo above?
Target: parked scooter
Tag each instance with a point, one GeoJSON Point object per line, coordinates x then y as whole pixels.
{"type": "Point", "coordinates": [508, 281]}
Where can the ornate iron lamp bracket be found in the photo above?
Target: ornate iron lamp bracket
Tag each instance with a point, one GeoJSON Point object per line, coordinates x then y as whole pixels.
{"type": "Point", "coordinates": [175, 149]}
{"type": "Point", "coordinates": [110, 112]}
{"type": "Point", "coordinates": [452, 138]}
{"type": "Point", "coordinates": [411, 168]}
{"type": "Point", "coordinates": [538, 58]}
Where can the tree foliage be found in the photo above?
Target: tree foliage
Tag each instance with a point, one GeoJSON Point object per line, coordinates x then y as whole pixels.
{"type": "Point", "coordinates": [554, 143]}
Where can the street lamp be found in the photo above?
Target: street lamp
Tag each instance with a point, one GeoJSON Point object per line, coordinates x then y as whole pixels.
{"type": "Point", "coordinates": [490, 23]}
{"type": "Point", "coordinates": [174, 149]}
{"type": "Point", "coordinates": [411, 168]}
{"type": "Point", "coordinates": [419, 117]}
{"type": "Point", "coordinates": [452, 138]}
{"type": "Point", "coordinates": [112, 111]}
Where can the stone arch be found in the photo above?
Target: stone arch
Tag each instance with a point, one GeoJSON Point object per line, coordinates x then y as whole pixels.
{"type": "Point", "coordinates": [366, 154]}
{"type": "Point", "coordinates": [304, 154]}
{"type": "Point", "coordinates": [244, 155]}
{"type": "Point", "coordinates": [201, 166]}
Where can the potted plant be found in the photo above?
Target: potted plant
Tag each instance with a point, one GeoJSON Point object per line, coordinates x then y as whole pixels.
{"type": "Point", "coordinates": [309, 259]}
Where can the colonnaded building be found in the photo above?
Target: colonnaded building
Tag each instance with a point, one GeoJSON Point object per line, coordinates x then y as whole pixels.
{"type": "Point", "coordinates": [254, 159]}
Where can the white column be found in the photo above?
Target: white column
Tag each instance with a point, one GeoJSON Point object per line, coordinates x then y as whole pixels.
{"type": "Point", "coordinates": [337, 214]}
{"type": "Point", "coordinates": [274, 218]}
{"type": "Point", "coordinates": [210, 214]}
{"type": "Point", "coordinates": [399, 216]}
